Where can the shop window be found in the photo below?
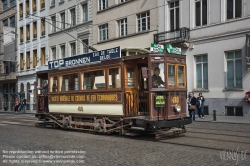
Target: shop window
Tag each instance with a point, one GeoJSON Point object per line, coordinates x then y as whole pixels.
{"type": "Point", "coordinates": [114, 78]}
{"type": "Point", "coordinates": [69, 82]}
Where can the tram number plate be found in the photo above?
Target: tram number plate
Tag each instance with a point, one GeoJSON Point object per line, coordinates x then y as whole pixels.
{"type": "Point", "coordinates": [175, 100]}
{"type": "Point", "coordinates": [159, 101]}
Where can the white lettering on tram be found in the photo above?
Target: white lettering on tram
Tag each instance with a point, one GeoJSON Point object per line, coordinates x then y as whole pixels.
{"type": "Point", "coordinates": [57, 63]}
{"type": "Point", "coordinates": [77, 61]}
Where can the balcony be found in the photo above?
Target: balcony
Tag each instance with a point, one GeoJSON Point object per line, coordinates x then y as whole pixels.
{"type": "Point", "coordinates": [173, 37]}
{"type": "Point", "coordinates": [42, 5]}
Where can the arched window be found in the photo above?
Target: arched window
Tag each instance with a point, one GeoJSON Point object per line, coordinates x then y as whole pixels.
{"type": "Point", "coordinates": [27, 91]}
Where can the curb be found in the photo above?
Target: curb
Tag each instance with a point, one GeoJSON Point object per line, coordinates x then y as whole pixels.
{"type": "Point", "coordinates": [225, 122]}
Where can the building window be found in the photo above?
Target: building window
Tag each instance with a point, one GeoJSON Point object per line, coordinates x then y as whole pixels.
{"type": "Point", "coordinates": [27, 60]}
{"type": "Point", "coordinates": [103, 4]}
{"type": "Point", "coordinates": [201, 12]}
{"type": "Point", "coordinates": [42, 4]}
{"type": "Point", "coordinates": [201, 72]}
{"type": "Point", "coordinates": [27, 8]}
{"type": "Point", "coordinates": [123, 27]}
{"type": "Point", "coordinates": [62, 51]}
{"type": "Point", "coordinates": [234, 111]}
{"type": "Point", "coordinates": [34, 58]}
{"type": "Point", "coordinates": [5, 4]}
{"type": "Point", "coordinates": [42, 27]}
{"type": "Point", "coordinates": [53, 51]}
{"type": "Point", "coordinates": [21, 61]}
{"type": "Point", "coordinates": [42, 56]}
{"type": "Point", "coordinates": [52, 2]}
{"type": "Point", "coordinates": [12, 21]}
{"type": "Point", "coordinates": [34, 30]}
{"type": "Point", "coordinates": [12, 3]}
{"type": "Point", "coordinates": [234, 8]}
{"type": "Point", "coordinates": [62, 20]}
{"type": "Point", "coordinates": [13, 66]}
{"type": "Point", "coordinates": [73, 49]}
{"type": "Point", "coordinates": [85, 48]}
{"type": "Point", "coordinates": [121, 1]}
{"type": "Point", "coordinates": [143, 21]}
{"type": "Point", "coordinates": [234, 69]}
{"type": "Point", "coordinates": [34, 5]}
{"type": "Point", "coordinates": [103, 32]}
{"type": "Point", "coordinates": [53, 20]}
{"type": "Point", "coordinates": [5, 22]}
{"type": "Point", "coordinates": [21, 34]}
{"type": "Point", "coordinates": [21, 11]}
{"type": "Point", "coordinates": [85, 13]}
{"type": "Point", "coordinates": [174, 16]}
{"type": "Point", "coordinates": [73, 17]}
{"type": "Point", "coordinates": [27, 32]}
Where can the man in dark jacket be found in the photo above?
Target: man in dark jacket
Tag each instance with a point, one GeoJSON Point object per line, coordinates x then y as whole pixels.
{"type": "Point", "coordinates": [192, 105]}
{"type": "Point", "coordinates": [156, 79]}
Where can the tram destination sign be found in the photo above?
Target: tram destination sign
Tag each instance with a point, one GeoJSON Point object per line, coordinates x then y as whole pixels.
{"type": "Point", "coordinates": [97, 56]}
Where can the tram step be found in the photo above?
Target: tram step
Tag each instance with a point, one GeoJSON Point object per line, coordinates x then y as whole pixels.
{"type": "Point", "coordinates": [137, 128]}
{"type": "Point", "coordinates": [132, 134]}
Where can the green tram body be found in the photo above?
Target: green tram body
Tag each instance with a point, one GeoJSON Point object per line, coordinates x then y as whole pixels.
{"type": "Point", "coordinates": [116, 95]}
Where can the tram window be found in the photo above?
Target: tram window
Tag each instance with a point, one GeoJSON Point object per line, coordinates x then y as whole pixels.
{"type": "Point", "coordinates": [69, 82]}
{"type": "Point", "coordinates": [53, 84]}
{"type": "Point", "coordinates": [171, 75]}
{"type": "Point", "coordinates": [158, 75]}
{"type": "Point", "coordinates": [181, 81]}
{"type": "Point", "coordinates": [94, 80]}
{"type": "Point", "coordinates": [114, 78]}
{"type": "Point", "coordinates": [130, 81]}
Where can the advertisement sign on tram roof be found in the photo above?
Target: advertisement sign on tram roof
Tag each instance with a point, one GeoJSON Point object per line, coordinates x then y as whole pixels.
{"type": "Point", "coordinates": [97, 56]}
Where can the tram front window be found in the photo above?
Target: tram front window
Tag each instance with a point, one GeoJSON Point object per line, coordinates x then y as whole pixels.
{"type": "Point", "coordinates": [158, 75]}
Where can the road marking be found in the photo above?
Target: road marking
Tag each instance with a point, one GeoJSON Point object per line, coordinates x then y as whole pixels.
{"type": "Point", "coordinates": [1, 124]}
{"type": "Point", "coordinates": [11, 122]}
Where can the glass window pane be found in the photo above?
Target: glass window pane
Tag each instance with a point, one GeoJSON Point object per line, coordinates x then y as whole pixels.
{"type": "Point", "coordinates": [158, 75]}
{"type": "Point", "coordinates": [114, 78]}
{"type": "Point", "coordinates": [230, 55]}
{"type": "Point", "coordinates": [205, 76]}
{"type": "Point", "coordinates": [198, 13]}
{"type": "Point", "coordinates": [238, 73]}
{"type": "Point", "coordinates": [181, 76]}
{"type": "Point", "coordinates": [204, 58]}
{"type": "Point", "coordinates": [198, 58]}
{"type": "Point", "coordinates": [177, 19]}
{"type": "Point", "coordinates": [53, 84]}
{"type": "Point", "coordinates": [94, 80]}
{"type": "Point", "coordinates": [204, 12]}
{"type": "Point", "coordinates": [171, 75]}
{"type": "Point", "coordinates": [69, 82]}
{"type": "Point", "coordinates": [238, 54]}
{"type": "Point", "coordinates": [238, 7]}
{"type": "Point", "coordinates": [172, 20]}
{"type": "Point", "coordinates": [130, 81]}
{"type": "Point", "coordinates": [230, 9]}
{"type": "Point", "coordinates": [198, 76]}
{"type": "Point", "coordinates": [230, 73]}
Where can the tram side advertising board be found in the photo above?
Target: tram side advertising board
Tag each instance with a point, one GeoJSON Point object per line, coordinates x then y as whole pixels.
{"type": "Point", "coordinates": [98, 56]}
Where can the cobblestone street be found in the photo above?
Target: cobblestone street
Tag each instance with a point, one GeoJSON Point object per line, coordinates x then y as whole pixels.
{"type": "Point", "coordinates": [205, 143]}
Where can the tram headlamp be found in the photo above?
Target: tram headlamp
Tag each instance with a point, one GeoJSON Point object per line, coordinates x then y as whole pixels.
{"type": "Point", "coordinates": [177, 108]}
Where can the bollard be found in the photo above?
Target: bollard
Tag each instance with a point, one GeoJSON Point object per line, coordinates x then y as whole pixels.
{"type": "Point", "coordinates": [214, 115]}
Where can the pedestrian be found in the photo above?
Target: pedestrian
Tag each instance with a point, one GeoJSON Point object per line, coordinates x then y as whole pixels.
{"type": "Point", "coordinates": [16, 105]}
{"type": "Point", "coordinates": [201, 101]}
{"type": "Point", "coordinates": [192, 105]}
{"type": "Point", "coordinates": [23, 106]}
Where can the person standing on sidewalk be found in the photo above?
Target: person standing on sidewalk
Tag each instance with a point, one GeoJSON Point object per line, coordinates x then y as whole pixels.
{"type": "Point", "coordinates": [17, 104]}
{"type": "Point", "coordinates": [24, 105]}
{"type": "Point", "coordinates": [201, 100]}
{"type": "Point", "coordinates": [192, 105]}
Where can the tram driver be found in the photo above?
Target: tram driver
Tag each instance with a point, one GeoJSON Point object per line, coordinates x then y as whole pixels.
{"type": "Point", "coordinates": [156, 79]}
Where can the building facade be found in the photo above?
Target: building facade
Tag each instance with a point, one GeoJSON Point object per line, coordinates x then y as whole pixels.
{"type": "Point", "coordinates": [32, 45]}
{"type": "Point", "coordinates": [212, 34]}
{"type": "Point", "coordinates": [129, 24]}
{"type": "Point", "coordinates": [8, 71]}
{"type": "Point", "coordinates": [70, 26]}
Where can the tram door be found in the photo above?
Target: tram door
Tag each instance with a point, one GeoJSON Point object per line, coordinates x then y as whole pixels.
{"type": "Point", "coordinates": [131, 91]}
{"type": "Point", "coordinates": [42, 93]}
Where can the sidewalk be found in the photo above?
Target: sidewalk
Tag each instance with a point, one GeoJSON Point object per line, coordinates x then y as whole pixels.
{"type": "Point", "coordinates": [225, 119]}
{"type": "Point", "coordinates": [21, 112]}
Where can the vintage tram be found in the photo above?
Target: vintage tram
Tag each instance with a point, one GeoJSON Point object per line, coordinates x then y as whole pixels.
{"type": "Point", "coordinates": [106, 92]}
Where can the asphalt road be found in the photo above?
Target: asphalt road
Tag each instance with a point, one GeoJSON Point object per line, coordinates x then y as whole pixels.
{"type": "Point", "coordinates": [205, 143]}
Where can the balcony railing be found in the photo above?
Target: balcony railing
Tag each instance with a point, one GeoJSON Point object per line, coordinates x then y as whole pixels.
{"type": "Point", "coordinates": [28, 38]}
{"type": "Point", "coordinates": [21, 15]}
{"type": "Point", "coordinates": [35, 36]}
{"type": "Point", "coordinates": [176, 36]}
{"type": "Point", "coordinates": [42, 5]}
{"type": "Point", "coordinates": [43, 33]}
{"type": "Point", "coordinates": [34, 9]}
{"type": "Point", "coordinates": [27, 13]}
{"type": "Point", "coordinates": [21, 40]}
